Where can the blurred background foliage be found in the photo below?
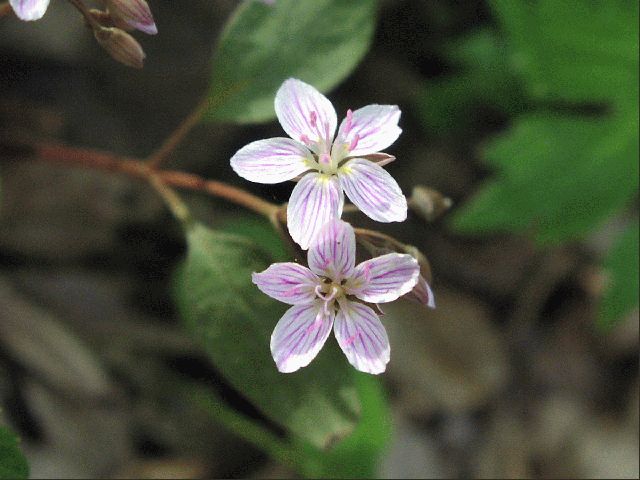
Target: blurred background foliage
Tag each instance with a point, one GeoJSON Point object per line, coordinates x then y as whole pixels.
{"type": "Point", "coordinates": [128, 351]}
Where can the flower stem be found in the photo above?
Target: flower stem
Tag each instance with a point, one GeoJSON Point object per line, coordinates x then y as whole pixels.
{"type": "Point", "coordinates": [84, 10]}
{"type": "Point", "coordinates": [172, 141]}
{"type": "Point", "coordinates": [247, 429]}
{"type": "Point", "coordinates": [97, 160]}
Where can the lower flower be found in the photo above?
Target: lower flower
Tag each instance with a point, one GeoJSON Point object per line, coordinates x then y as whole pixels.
{"type": "Point", "coordinates": [330, 294]}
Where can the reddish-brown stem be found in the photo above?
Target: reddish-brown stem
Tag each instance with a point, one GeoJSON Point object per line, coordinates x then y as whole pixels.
{"type": "Point", "coordinates": [5, 9]}
{"type": "Point", "coordinates": [172, 141]}
{"type": "Point", "coordinates": [84, 10]}
{"type": "Point", "coordinates": [87, 158]}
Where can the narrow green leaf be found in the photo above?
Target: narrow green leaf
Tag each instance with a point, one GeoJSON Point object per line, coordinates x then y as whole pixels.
{"type": "Point", "coordinates": [319, 41]}
{"type": "Point", "coordinates": [621, 296]}
{"type": "Point", "coordinates": [234, 320]}
{"type": "Point", "coordinates": [13, 464]}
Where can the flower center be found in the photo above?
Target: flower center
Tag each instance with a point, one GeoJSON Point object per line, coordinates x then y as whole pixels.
{"type": "Point", "coordinates": [329, 292]}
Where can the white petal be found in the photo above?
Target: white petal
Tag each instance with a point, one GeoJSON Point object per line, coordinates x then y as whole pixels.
{"type": "Point", "coordinates": [29, 9]}
{"type": "Point", "coordinates": [385, 278]}
{"type": "Point", "coordinates": [273, 160]}
{"type": "Point", "coordinates": [306, 115]}
{"type": "Point", "coordinates": [422, 293]}
{"type": "Point", "coordinates": [316, 199]}
{"type": "Point", "coordinates": [288, 282]}
{"type": "Point", "coordinates": [373, 190]}
{"type": "Point", "coordinates": [369, 130]}
{"type": "Point", "coordinates": [362, 337]}
{"type": "Point", "coordinates": [333, 252]}
{"type": "Point", "coordinates": [300, 334]}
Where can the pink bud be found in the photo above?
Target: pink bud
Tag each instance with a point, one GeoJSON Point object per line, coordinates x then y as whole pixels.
{"type": "Point", "coordinates": [132, 14]}
{"type": "Point", "coordinates": [121, 46]}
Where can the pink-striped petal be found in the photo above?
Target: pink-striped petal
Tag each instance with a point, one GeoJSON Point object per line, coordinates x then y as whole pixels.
{"type": "Point", "coordinates": [368, 130]}
{"type": "Point", "coordinates": [373, 190]}
{"type": "Point", "coordinates": [333, 252]}
{"type": "Point", "coordinates": [306, 115]}
{"type": "Point", "coordinates": [300, 334]}
{"type": "Point", "coordinates": [422, 293]}
{"type": "Point", "coordinates": [288, 282]}
{"type": "Point", "coordinates": [132, 14]}
{"type": "Point", "coordinates": [273, 160]}
{"type": "Point", "coordinates": [29, 9]}
{"type": "Point", "coordinates": [385, 278]}
{"type": "Point", "coordinates": [362, 337]}
{"type": "Point", "coordinates": [316, 199]}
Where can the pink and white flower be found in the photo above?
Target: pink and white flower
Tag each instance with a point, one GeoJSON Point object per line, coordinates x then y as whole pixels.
{"type": "Point", "coordinates": [330, 166]}
{"type": "Point", "coordinates": [329, 294]}
{"type": "Point", "coordinates": [29, 9]}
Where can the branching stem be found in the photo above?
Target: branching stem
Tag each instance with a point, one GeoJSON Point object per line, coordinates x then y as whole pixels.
{"type": "Point", "coordinates": [97, 160]}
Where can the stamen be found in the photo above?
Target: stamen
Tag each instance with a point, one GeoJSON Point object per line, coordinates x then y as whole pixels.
{"type": "Point", "coordinates": [304, 139]}
{"type": "Point", "coordinates": [348, 122]}
{"type": "Point", "coordinates": [367, 272]}
{"type": "Point", "coordinates": [313, 119]}
{"type": "Point", "coordinates": [324, 159]}
{"type": "Point", "coordinates": [354, 142]}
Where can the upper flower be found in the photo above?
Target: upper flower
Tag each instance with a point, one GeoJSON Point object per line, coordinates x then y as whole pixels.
{"type": "Point", "coordinates": [328, 293]}
{"type": "Point", "coordinates": [29, 9]}
{"type": "Point", "coordinates": [332, 164]}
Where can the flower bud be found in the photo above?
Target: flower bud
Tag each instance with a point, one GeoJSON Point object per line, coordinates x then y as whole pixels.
{"type": "Point", "coordinates": [428, 203]}
{"type": "Point", "coordinates": [132, 15]}
{"type": "Point", "coordinates": [121, 46]}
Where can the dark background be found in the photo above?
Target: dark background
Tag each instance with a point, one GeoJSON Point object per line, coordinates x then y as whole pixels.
{"type": "Point", "coordinates": [507, 377]}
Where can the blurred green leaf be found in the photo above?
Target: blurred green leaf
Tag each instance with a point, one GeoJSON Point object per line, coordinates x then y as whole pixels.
{"type": "Point", "coordinates": [358, 455]}
{"type": "Point", "coordinates": [319, 41]}
{"type": "Point", "coordinates": [580, 51]}
{"type": "Point", "coordinates": [621, 296]}
{"type": "Point", "coordinates": [561, 173]}
{"type": "Point", "coordinates": [558, 177]}
{"type": "Point", "coordinates": [483, 79]}
{"type": "Point", "coordinates": [260, 231]}
{"type": "Point", "coordinates": [13, 464]}
{"type": "Point", "coordinates": [233, 320]}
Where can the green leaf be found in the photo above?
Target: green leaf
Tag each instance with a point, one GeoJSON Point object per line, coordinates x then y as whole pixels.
{"type": "Point", "coordinates": [13, 464]}
{"type": "Point", "coordinates": [318, 41]}
{"type": "Point", "coordinates": [358, 455]}
{"type": "Point", "coordinates": [483, 79]}
{"type": "Point", "coordinates": [579, 51]}
{"type": "Point", "coordinates": [233, 320]}
{"type": "Point", "coordinates": [559, 173]}
{"type": "Point", "coordinates": [559, 176]}
{"type": "Point", "coordinates": [259, 228]}
{"type": "Point", "coordinates": [621, 296]}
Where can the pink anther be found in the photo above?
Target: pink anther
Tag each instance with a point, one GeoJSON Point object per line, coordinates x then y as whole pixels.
{"type": "Point", "coordinates": [354, 142]}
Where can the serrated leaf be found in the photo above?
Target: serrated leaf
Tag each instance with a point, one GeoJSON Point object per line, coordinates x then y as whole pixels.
{"type": "Point", "coordinates": [233, 320]}
{"type": "Point", "coordinates": [558, 177]}
{"type": "Point", "coordinates": [559, 173]}
{"type": "Point", "coordinates": [621, 265]}
{"type": "Point", "coordinates": [579, 51]}
{"type": "Point", "coordinates": [319, 41]}
{"type": "Point", "coordinates": [483, 78]}
{"type": "Point", "coordinates": [13, 464]}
